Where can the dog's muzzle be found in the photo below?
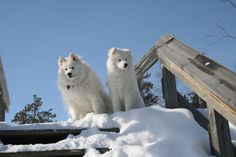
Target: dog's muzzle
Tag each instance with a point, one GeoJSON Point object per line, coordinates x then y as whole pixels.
{"type": "Point", "coordinates": [69, 75]}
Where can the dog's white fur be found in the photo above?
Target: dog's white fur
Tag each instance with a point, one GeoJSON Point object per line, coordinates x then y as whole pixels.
{"type": "Point", "coordinates": [122, 81]}
{"type": "Point", "coordinates": [80, 87]}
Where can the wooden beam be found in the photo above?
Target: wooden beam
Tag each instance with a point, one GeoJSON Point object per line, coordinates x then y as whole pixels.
{"type": "Point", "coordinates": [219, 135]}
{"type": "Point", "coordinates": [222, 125]}
{"type": "Point", "coordinates": [3, 89]}
{"type": "Point", "coordinates": [215, 146]}
{"type": "Point", "coordinates": [169, 89]}
{"type": "Point", "coordinates": [199, 118]}
{"type": "Point", "coordinates": [2, 109]}
{"type": "Point", "coordinates": [42, 136]}
{"type": "Point", "coordinates": [212, 82]}
{"type": "Point", "coordinates": [144, 64]}
{"type": "Point", "coordinates": [52, 153]}
{"type": "Point", "coordinates": [150, 58]}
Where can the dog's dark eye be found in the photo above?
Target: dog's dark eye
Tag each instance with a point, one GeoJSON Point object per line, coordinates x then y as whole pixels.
{"type": "Point", "coordinates": [72, 68]}
{"type": "Point", "coordinates": [119, 60]}
{"type": "Point", "coordinates": [65, 69]}
{"type": "Point", "coordinates": [125, 59]}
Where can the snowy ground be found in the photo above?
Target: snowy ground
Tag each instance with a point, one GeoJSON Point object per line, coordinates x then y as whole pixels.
{"type": "Point", "coordinates": [147, 132]}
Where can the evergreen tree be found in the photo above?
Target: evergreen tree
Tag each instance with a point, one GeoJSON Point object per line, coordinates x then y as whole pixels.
{"type": "Point", "coordinates": [147, 91]}
{"type": "Point", "coordinates": [32, 113]}
{"type": "Point", "coordinates": [195, 100]}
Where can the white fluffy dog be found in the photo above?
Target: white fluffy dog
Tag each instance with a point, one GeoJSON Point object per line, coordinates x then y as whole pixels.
{"type": "Point", "coordinates": [80, 87]}
{"type": "Point", "coordinates": [122, 81]}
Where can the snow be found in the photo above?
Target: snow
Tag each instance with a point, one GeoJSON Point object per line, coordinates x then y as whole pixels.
{"type": "Point", "coordinates": [147, 132]}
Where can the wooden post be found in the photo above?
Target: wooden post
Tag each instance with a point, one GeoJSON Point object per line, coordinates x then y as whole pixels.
{"type": "Point", "coordinates": [219, 135]}
{"type": "Point", "coordinates": [169, 89]}
{"type": "Point", "coordinates": [4, 95]}
{"type": "Point", "coordinates": [2, 109]}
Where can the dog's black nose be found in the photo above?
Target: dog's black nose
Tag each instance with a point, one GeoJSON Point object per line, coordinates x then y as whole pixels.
{"type": "Point", "coordinates": [125, 65]}
{"type": "Point", "coordinates": [69, 74]}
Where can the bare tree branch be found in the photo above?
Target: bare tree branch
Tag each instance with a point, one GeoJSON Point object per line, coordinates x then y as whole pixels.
{"type": "Point", "coordinates": [218, 38]}
{"type": "Point", "coordinates": [233, 4]}
{"type": "Point", "coordinates": [225, 33]}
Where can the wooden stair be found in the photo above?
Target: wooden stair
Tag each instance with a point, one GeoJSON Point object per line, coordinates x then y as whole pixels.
{"type": "Point", "coordinates": [19, 137]}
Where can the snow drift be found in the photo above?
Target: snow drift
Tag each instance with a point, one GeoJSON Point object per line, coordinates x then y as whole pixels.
{"type": "Point", "coordinates": [146, 132]}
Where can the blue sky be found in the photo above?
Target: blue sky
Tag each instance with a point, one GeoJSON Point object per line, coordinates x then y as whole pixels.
{"type": "Point", "coordinates": [34, 33]}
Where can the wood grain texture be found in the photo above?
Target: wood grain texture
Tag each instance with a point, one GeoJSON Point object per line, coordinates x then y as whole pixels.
{"type": "Point", "coordinates": [146, 62]}
{"type": "Point", "coordinates": [211, 81]}
{"type": "Point", "coordinates": [42, 136]}
{"type": "Point", "coordinates": [169, 89]}
{"type": "Point", "coordinates": [150, 57]}
{"type": "Point", "coordinates": [3, 88]}
{"type": "Point", "coordinates": [2, 110]}
{"type": "Point", "coordinates": [219, 135]}
{"type": "Point", "coordinates": [52, 153]}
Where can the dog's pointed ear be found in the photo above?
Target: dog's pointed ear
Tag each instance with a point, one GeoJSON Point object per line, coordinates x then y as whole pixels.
{"type": "Point", "coordinates": [61, 61]}
{"type": "Point", "coordinates": [128, 51]}
{"type": "Point", "coordinates": [74, 57]}
{"type": "Point", "coordinates": [113, 51]}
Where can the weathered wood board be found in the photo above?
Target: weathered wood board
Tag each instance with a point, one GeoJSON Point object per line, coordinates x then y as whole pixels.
{"type": "Point", "coordinates": [169, 89]}
{"type": "Point", "coordinates": [4, 100]}
{"type": "Point", "coordinates": [42, 136]}
{"type": "Point", "coordinates": [3, 86]}
{"type": "Point", "coordinates": [52, 153]}
{"type": "Point", "coordinates": [148, 60]}
{"type": "Point", "coordinates": [211, 81]}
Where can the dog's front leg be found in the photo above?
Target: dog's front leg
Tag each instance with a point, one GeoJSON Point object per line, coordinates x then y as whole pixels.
{"type": "Point", "coordinates": [99, 105]}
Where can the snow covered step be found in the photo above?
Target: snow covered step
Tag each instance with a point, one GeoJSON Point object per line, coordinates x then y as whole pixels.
{"type": "Point", "coordinates": [42, 136]}
{"type": "Point", "coordinates": [52, 153]}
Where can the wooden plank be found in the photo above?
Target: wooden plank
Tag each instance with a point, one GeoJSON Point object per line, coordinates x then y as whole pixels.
{"type": "Point", "coordinates": [215, 146]}
{"type": "Point", "coordinates": [219, 135]}
{"type": "Point", "coordinates": [2, 110]}
{"type": "Point", "coordinates": [41, 136]}
{"type": "Point", "coordinates": [52, 153]}
{"type": "Point", "coordinates": [144, 64]}
{"type": "Point", "coordinates": [222, 125]}
{"type": "Point", "coordinates": [199, 118]}
{"type": "Point", "coordinates": [211, 81]}
{"type": "Point", "coordinates": [169, 89]}
{"type": "Point", "coordinates": [3, 88]}
{"type": "Point", "coordinates": [150, 57]}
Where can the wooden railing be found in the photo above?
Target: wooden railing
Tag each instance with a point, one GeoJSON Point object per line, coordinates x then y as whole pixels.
{"type": "Point", "coordinates": [215, 84]}
{"type": "Point", "coordinates": [4, 96]}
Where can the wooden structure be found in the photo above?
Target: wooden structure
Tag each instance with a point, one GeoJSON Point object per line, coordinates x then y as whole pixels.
{"type": "Point", "coordinates": [42, 136]}
{"type": "Point", "coordinates": [214, 83]}
{"type": "Point", "coordinates": [45, 137]}
{"type": "Point", "coordinates": [52, 153]}
{"type": "Point", "coordinates": [4, 96]}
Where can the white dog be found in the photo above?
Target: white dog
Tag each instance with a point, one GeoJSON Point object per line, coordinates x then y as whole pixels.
{"type": "Point", "coordinates": [122, 81]}
{"type": "Point", "coordinates": [80, 87]}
